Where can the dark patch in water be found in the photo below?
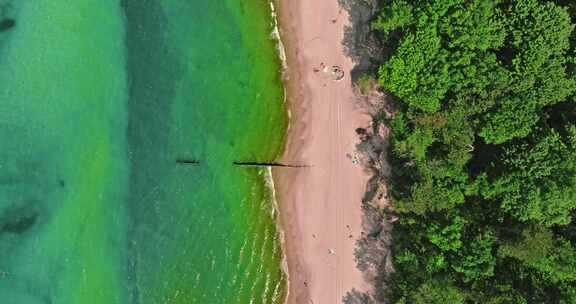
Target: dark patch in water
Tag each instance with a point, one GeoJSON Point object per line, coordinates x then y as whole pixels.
{"type": "Point", "coordinates": [19, 223]}
{"type": "Point", "coordinates": [7, 24]}
{"type": "Point", "coordinates": [151, 87]}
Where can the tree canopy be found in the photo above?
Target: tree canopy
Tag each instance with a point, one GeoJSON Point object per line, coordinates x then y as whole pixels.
{"type": "Point", "coordinates": [483, 149]}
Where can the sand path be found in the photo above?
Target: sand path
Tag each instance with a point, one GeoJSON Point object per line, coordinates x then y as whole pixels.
{"type": "Point", "coordinates": [320, 206]}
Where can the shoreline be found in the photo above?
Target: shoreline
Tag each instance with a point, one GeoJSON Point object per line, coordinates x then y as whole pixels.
{"type": "Point", "coordinates": [281, 51]}
{"type": "Point", "coordinates": [320, 209]}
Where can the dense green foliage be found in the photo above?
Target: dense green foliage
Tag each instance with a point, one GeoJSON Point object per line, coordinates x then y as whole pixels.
{"type": "Point", "coordinates": [483, 150]}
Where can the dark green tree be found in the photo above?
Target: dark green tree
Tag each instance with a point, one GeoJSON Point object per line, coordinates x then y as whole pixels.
{"type": "Point", "coordinates": [483, 149]}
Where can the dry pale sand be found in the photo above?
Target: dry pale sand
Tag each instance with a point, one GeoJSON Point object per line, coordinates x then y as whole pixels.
{"type": "Point", "coordinates": [320, 206]}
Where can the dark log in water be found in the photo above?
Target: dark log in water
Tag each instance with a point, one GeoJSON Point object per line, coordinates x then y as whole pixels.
{"type": "Point", "coordinates": [187, 162]}
{"type": "Point", "coordinates": [264, 164]}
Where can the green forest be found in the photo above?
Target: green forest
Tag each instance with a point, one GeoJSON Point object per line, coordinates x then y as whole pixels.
{"type": "Point", "coordinates": [482, 149]}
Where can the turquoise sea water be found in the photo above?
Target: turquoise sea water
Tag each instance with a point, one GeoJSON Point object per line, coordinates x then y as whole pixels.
{"type": "Point", "coordinates": [98, 101]}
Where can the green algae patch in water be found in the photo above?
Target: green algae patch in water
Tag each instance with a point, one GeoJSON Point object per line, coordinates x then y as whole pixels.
{"type": "Point", "coordinates": [209, 90]}
{"type": "Point", "coordinates": [63, 153]}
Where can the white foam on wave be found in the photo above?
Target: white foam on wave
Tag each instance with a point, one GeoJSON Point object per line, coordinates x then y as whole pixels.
{"type": "Point", "coordinates": [268, 172]}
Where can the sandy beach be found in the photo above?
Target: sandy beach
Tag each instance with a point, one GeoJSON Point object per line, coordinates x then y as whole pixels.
{"type": "Point", "coordinates": [320, 206]}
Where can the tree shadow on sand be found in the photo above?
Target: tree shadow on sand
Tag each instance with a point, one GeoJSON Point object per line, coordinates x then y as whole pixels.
{"type": "Point", "coordinates": [361, 43]}
{"type": "Point", "coordinates": [373, 253]}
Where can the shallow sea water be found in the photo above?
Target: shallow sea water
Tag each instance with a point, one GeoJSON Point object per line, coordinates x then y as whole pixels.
{"type": "Point", "coordinates": [99, 99]}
